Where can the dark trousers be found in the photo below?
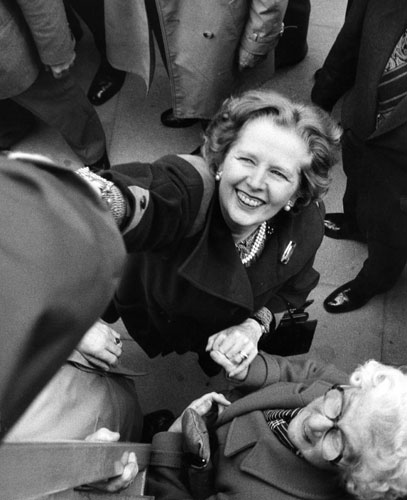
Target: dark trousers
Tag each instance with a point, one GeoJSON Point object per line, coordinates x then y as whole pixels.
{"type": "Point", "coordinates": [60, 103]}
{"type": "Point", "coordinates": [93, 14]}
{"type": "Point", "coordinates": [372, 203]}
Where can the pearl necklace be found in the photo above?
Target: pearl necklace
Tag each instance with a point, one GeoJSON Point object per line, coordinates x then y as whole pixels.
{"type": "Point", "coordinates": [257, 246]}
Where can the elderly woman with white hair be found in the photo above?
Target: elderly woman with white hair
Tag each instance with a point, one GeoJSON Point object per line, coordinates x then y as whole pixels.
{"type": "Point", "coordinates": [291, 428]}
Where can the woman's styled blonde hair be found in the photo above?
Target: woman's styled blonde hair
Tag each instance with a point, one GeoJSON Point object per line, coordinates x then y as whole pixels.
{"type": "Point", "coordinates": [380, 470]}
{"type": "Point", "coordinates": [314, 126]}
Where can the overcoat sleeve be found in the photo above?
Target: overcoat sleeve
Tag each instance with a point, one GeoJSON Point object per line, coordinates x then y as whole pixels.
{"type": "Point", "coordinates": [61, 258]}
{"type": "Point", "coordinates": [49, 28]}
{"type": "Point", "coordinates": [166, 198]}
{"type": "Point", "coordinates": [267, 369]}
{"type": "Point", "coordinates": [264, 26]}
{"type": "Point", "coordinates": [339, 70]}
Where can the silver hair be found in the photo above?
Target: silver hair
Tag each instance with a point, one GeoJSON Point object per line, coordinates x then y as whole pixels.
{"type": "Point", "coordinates": [379, 470]}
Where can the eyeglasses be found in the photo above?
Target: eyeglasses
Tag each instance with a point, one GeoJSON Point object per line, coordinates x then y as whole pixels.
{"type": "Point", "coordinates": [333, 442]}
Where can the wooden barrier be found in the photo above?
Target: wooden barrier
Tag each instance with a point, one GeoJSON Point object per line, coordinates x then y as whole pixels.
{"type": "Point", "coordinates": [51, 471]}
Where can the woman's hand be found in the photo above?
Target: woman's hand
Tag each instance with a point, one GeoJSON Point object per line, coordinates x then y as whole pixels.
{"type": "Point", "coordinates": [128, 464]}
{"type": "Point", "coordinates": [236, 347]}
{"type": "Point", "coordinates": [101, 346]}
{"type": "Point", "coordinates": [202, 406]}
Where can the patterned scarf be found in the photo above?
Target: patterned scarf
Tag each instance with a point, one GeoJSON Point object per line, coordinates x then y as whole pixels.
{"type": "Point", "coordinates": [278, 421]}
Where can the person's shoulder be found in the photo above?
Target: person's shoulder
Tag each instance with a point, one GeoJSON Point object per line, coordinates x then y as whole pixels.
{"type": "Point", "coordinates": [202, 168]}
{"type": "Point", "coordinates": [314, 211]}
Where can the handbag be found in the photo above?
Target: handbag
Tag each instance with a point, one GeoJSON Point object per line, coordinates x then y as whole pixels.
{"type": "Point", "coordinates": [293, 335]}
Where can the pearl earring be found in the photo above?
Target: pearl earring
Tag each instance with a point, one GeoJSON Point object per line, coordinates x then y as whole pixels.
{"type": "Point", "coordinates": [218, 175]}
{"type": "Point", "coordinates": [289, 206]}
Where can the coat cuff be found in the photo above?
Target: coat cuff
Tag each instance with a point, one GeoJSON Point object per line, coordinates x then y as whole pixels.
{"type": "Point", "coordinates": [263, 370]}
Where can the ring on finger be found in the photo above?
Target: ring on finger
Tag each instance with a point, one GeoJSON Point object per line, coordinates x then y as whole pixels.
{"type": "Point", "coordinates": [243, 355]}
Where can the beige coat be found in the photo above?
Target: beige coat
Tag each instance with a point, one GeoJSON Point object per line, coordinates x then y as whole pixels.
{"type": "Point", "coordinates": [32, 33]}
{"type": "Point", "coordinates": [201, 42]}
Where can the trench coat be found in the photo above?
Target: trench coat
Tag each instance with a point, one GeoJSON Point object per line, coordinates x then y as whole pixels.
{"type": "Point", "coordinates": [54, 284]}
{"type": "Point", "coordinates": [353, 68]}
{"type": "Point", "coordinates": [183, 280]}
{"type": "Point", "coordinates": [33, 33]}
{"type": "Point", "coordinates": [249, 461]}
{"type": "Point", "coordinates": [201, 41]}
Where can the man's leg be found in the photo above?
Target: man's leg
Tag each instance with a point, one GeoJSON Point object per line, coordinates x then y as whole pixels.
{"type": "Point", "coordinates": [108, 80]}
{"type": "Point", "coordinates": [381, 269]}
{"type": "Point", "coordinates": [351, 223]}
{"type": "Point", "coordinates": [383, 218]}
{"type": "Point", "coordinates": [62, 104]}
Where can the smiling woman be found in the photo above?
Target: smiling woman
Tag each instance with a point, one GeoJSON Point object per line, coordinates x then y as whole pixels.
{"type": "Point", "coordinates": [208, 237]}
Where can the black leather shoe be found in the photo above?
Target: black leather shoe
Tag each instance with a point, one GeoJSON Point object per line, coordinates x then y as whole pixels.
{"type": "Point", "coordinates": [346, 298]}
{"type": "Point", "coordinates": [338, 227]}
{"type": "Point", "coordinates": [169, 120]}
{"type": "Point", "coordinates": [106, 83]}
{"type": "Point", "coordinates": [102, 164]}
{"type": "Point", "coordinates": [157, 421]}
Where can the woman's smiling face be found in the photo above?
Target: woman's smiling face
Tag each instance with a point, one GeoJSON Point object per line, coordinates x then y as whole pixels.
{"type": "Point", "coordinates": [260, 174]}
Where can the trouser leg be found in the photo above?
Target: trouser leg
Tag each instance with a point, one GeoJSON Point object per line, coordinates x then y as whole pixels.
{"type": "Point", "coordinates": [15, 123]}
{"type": "Point", "coordinates": [92, 13]}
{"type": "Point", "coordinates": [383, 217]}
{"type": "Point", "coordinates": [382, 268]}
{"type": "Point", "coordinates": [62, 104]}
{"type": "Point", "coordinates": [356, 189]}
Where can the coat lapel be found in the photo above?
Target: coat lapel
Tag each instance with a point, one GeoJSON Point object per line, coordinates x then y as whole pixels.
{"type": "Point", "coordinates": [273, 463]}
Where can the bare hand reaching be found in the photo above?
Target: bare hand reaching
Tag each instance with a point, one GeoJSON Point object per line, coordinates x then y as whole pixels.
{"type": "Point", "coordinates": [127, 467]}
{"type": "Point", "coordinates": [101, 346]}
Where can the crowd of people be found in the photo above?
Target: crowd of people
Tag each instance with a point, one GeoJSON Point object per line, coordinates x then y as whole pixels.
{"type": "Point", "coordinates": [203, 252]}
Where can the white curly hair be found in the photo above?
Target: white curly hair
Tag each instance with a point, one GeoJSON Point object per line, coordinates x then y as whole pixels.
{"type": "Point", "coordinates": [380, 470]}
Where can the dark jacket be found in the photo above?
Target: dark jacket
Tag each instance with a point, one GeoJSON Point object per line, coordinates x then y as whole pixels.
{"type": "Point", "coordinates": [250, 462]}
{"type": "Point", "coordinates": [184, 280]}
{"type": "Point", "coordinates": [354, 66]}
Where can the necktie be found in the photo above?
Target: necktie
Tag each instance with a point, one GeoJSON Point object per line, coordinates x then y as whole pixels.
{"type": "Point", "coordinates": [393, 83]}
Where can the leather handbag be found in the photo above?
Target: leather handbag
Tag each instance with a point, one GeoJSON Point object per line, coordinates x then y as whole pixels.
{"type": "Point", "coordinates": [293, 335]}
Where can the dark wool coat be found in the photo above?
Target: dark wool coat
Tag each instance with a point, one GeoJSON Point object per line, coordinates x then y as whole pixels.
{"type": "Point", "coordinates": [250, 462]}
{"type": "Point", "coordinates": [184, 280]}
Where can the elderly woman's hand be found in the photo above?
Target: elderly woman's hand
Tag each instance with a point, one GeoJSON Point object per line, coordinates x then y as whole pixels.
{"type": "Point", "coordinates": [101, 346]}
{"type": "Point", "coordinates": [127, 465]}
{"type": "Point", "coordinates": [238, 344]}
{"type": "Point", "coordinates": [202, 406]}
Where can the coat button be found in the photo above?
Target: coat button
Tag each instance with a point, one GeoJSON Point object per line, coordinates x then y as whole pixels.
{"type": "Point", "coordinates": [208, 34]}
